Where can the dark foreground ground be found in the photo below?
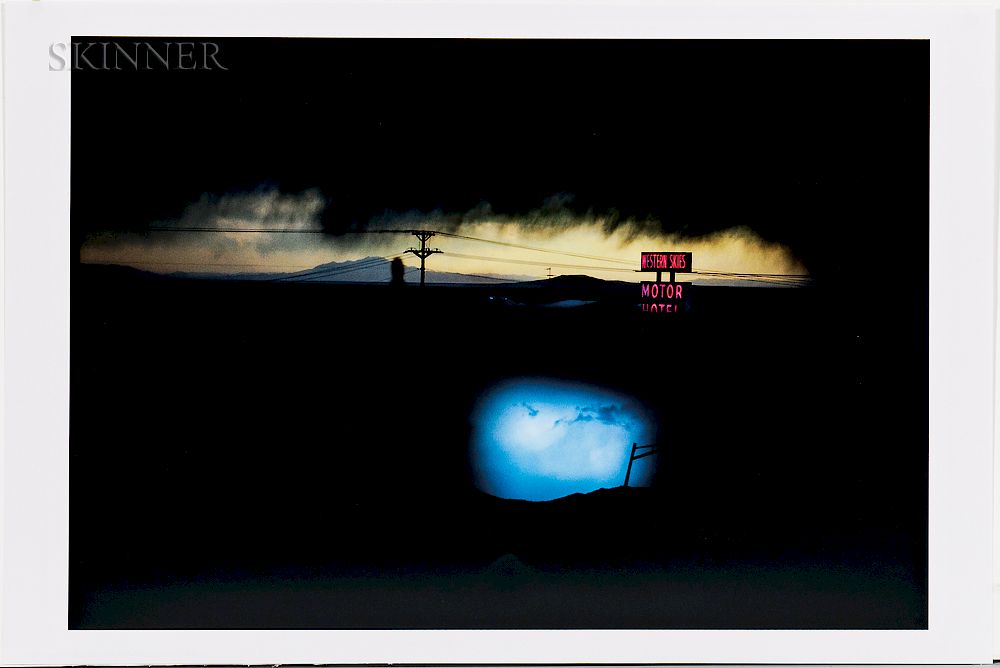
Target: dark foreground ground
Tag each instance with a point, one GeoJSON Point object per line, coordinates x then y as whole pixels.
{"type": "Point", "coordinates": [269, 455]}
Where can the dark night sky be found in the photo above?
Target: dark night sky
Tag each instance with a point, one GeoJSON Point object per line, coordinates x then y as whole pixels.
{"type": "Point", "coordinates": [818, 145]}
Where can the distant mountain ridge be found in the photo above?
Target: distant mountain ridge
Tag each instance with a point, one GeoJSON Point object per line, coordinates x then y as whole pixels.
{"type": "Point", "coordinates": [371, 269]}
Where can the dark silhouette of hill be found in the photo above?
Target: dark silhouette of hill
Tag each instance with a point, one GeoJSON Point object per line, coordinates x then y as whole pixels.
{"type": "Point", "coordinates": [543, 533]}
{"type": "Point", "coordinates": [116, 273]}
{"type": "Point", "coordinates": [572, 282]}
{"type": "Point", "coordinates": [565, 287]}
{"type": "Point", "coordinates": [365, 270]}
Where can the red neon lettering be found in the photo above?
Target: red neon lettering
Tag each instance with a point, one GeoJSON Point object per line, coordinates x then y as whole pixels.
{"type": "Point", "coordinates": [656, 291]}
{"type": "Point", "coordinates": [654, 261]}
{"type": "Point", "coordinates": [668, 261]}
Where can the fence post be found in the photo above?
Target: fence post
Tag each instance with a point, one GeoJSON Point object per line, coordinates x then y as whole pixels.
{"type": "Point", "coordinates": [631, 458]}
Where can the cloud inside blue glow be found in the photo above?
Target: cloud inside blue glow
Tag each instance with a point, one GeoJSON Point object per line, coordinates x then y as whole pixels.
{"type": "Point", "coordinates": [540, 439]}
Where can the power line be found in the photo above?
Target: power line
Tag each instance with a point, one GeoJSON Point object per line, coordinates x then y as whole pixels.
{"type": "Point", "coordinates": [243, 230]}
{"type": "Point", "coordinates": [261, 230]}
{"type": "Point", "coordinates": [776, 278]}
{"type": "Point", "coordinates": [328, 271]}
{"type": "Point", "coordinates": [332, 273]}
{"type": "Point", "coordinates": [705, 272]}
{"type": "Point", "coordinates": [235, 230]}
{"type": "Point", "coordinates": [537, 263]}
{"type": "Point", "coordinates": [733, 273]}
{"type": "Point", "coordinates": [789, 279]}
{"type": "Point", "coordinates": [535, 248]}
{"type": "Point", "coordinates": [195, 264]}
{"type": "Point", "coordinates": [768, 282]}
{"type": "Point", "coordinates": [410, 270]}
{"type": "Point", "coordinates": [782, 279]}
{"type": "Point", "coordinates": [337, 271]}
{"type": "Point", "coordinates": [491, 278]}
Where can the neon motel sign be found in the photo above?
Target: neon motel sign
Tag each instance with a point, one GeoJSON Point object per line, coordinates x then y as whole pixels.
{"type": "Point", "coordinates": [664, 296]}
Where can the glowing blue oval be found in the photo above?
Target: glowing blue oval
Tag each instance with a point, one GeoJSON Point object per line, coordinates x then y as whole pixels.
{"type": "Point", "coordinates": [539, 439]}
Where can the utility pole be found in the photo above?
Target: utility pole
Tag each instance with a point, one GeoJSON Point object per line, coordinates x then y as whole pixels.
{"type": "Point", "coordinates": [636, 454]}
{"type": "Point", "coordinates": [423, 251]}
{"type": "Point", "coordinates": [549, 272]}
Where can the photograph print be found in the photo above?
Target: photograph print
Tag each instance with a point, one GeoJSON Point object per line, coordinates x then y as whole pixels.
{"type": "Point", "coordinates": [498, 333]}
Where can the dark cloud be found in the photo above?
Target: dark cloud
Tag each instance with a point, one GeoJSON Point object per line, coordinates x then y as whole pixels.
{"type": "Point", "coordinates": [609, 414]}
{"type": "Point", "coordinates": [552, 215]}
{"type": "Point", "coordinates": [819, 146]}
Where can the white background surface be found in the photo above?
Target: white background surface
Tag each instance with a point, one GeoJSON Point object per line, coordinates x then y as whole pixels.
{"type": "Point", "coordinates": [34, 567]}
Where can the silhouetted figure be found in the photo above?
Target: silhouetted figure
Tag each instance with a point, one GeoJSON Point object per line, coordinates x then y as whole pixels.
{"type": "Point", "coordinates": [397, 268]}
